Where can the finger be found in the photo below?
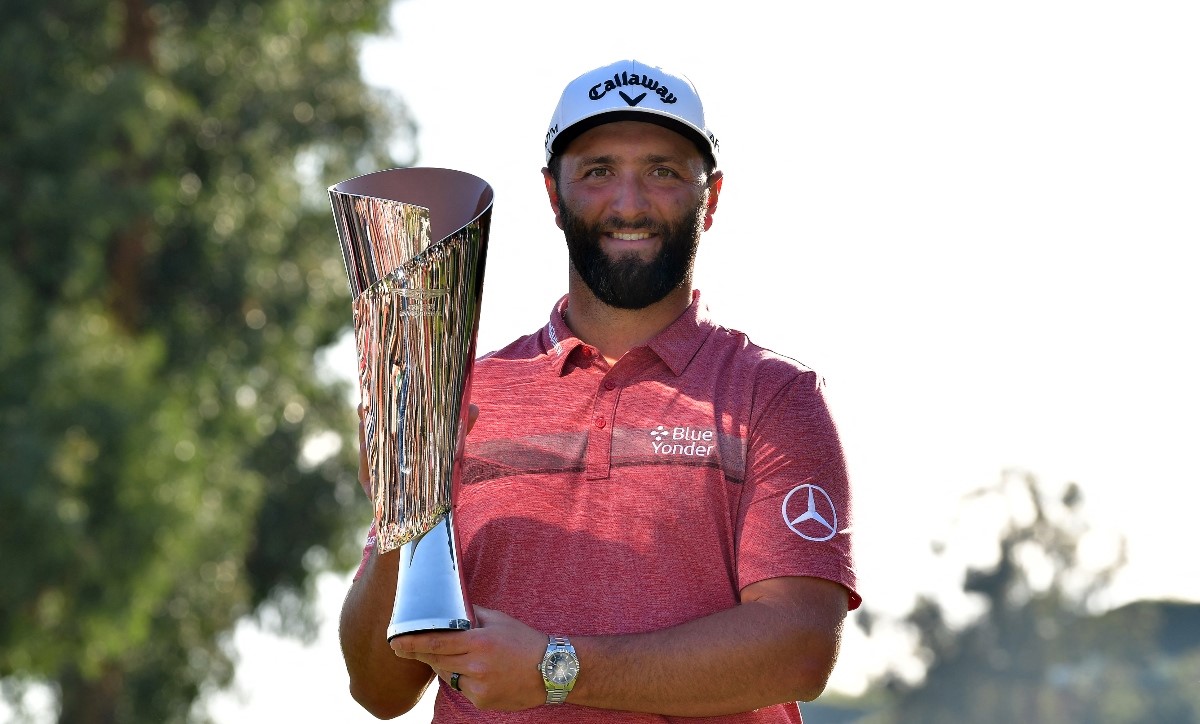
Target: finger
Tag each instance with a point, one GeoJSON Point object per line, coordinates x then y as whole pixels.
{"type": "Point", "coordinates": [433, 644]}
{"type": "Point", "coordinates": [454, 678]}
{"type": "Point", "coordinates": [441, 664]}
{"type": "Point", "coordinates": [484, 615]}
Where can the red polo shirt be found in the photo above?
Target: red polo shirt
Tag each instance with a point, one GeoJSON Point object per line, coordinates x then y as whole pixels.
{"type": "Point", "coordinates": [600, 499]}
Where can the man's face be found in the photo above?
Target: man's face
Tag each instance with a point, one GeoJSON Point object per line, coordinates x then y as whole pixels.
{"type": "Point", "coordinates": [632, 200]}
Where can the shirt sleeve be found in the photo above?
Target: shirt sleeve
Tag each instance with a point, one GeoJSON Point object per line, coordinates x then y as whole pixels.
{"type": "Point", "coordinates": [366, 554]}
{"type": "Point", "coordinates": [795, 512]}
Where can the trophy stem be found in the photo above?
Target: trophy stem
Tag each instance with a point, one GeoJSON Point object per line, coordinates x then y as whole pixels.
{"type": "Point", "coordinates": [429, 590]}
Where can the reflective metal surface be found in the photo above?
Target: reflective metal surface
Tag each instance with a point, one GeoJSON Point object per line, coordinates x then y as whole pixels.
{"type": "Point", "coordinates": [429, 589]}
{"type": "Point", "coordinates": [415, 243]}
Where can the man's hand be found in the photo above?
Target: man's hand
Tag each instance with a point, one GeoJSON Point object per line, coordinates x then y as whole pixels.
{"type": "Point", "coordinates": [496, 661]}
{"type": "Point", "coordinates": [383, 684]}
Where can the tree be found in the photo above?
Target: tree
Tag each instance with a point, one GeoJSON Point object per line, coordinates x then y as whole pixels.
{"type": "Point", "coordinates": [1038, 651]}
{"type": "Point", "coordinates": [169, 271]}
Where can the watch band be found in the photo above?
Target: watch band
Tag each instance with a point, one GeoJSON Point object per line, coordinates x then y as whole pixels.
{"type": "Point", "coordinates": [558, 646]}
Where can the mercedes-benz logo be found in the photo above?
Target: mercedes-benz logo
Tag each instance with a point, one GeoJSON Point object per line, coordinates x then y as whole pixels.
{"type": "Point", "coordinates": [812, 516]}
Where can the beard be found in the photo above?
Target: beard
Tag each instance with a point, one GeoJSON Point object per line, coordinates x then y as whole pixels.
{"type": "Point", "coordinates": [628, 281]}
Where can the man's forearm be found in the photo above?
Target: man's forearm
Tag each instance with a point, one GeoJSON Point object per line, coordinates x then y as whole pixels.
{"type": "Point", "coordinates": [779, 645]}
{"type": "Point", "coordinates": [383, 684]}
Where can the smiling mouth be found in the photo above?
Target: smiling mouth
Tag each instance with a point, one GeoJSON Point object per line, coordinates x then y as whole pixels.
{"type": "Point", "coordinates": [630, 236]}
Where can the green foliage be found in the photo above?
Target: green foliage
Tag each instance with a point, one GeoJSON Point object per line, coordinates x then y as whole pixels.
{"type": "Point", "coordinates": [1038, 652]}
{"type": "Point", "coordinates": [169, 271]}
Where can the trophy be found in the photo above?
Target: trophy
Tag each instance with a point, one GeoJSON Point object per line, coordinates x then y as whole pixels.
{"type": "Point", "coordinates": [414, 241]}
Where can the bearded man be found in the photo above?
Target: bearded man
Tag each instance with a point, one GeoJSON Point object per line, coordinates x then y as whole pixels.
{"type": "Point", "coordinates": [654, 512]}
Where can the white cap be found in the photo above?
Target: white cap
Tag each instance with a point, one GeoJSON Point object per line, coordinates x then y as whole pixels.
{"type": "Point", "coordinates": [624, 91]}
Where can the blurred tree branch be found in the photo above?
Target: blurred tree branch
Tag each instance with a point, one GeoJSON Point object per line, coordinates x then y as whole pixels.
{"type": "Point", "coordinates": [168, 273]}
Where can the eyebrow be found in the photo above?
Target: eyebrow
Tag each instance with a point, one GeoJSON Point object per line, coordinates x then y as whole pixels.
{"type": "Point", "coordinates": [589, 160]}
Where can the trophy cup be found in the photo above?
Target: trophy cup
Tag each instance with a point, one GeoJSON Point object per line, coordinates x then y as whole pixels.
{"type": "Point", "coordinates": [415, 241]}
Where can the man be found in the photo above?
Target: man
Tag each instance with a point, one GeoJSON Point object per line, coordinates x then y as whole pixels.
{"type": "Point", "coordinates": [653, 515]}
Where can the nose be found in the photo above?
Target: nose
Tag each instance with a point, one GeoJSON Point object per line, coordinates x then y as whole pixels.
{"type": "Point", "coordinates": [630, 200]}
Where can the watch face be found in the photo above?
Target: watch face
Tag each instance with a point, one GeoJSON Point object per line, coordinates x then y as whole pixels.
{"type": "Point", "coordinates": [560, 667]}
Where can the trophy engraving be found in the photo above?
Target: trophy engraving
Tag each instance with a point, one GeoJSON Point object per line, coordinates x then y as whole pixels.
{"type": "Point", "coordinates": [415, 242]}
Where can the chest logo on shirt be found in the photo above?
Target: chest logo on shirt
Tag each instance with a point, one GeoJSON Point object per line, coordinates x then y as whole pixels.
{"type": "Point", "coordinates": [682, 441]}
{"type": "Point", "coordinates": [809, 512]}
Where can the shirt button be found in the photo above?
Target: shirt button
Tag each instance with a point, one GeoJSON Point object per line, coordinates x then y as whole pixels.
{"type": "Point", "coordinates": [600, 423]}
{"type": "Point", "coordinates": [610, 385]}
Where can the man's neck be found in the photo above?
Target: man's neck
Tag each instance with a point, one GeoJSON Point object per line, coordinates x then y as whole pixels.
{"type": "Point", "coordinates": [613, 331]}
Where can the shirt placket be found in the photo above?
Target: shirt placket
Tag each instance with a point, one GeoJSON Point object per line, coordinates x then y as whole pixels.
{"type": "Point", "coordinates": [600, 430]}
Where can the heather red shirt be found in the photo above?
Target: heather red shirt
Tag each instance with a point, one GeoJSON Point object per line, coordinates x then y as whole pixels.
{"type": "Point", "coordinates": [599, 499]}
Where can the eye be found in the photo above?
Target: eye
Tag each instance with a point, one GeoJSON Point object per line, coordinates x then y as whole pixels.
{"type": "Point", "coordinates": [599, 172]}
{"type": "Point", "coordinates": [663, 172]}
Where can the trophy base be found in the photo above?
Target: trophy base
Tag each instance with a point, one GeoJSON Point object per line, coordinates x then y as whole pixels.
{"type": "Point", "coordinates": [429, 590]}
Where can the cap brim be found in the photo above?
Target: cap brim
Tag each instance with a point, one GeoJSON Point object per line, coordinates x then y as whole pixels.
{"type": "Point", "coordinates": [569, 134]}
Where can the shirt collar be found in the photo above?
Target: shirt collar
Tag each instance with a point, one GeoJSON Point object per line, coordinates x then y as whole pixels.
{"type": "Point", "coordinates": [557, 338]}
{"type": "Point", "coordinates": [676, 345]}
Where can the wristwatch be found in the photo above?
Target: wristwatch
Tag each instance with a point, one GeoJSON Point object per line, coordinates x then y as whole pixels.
{"type": "Point", "coordinates": [560, 668]}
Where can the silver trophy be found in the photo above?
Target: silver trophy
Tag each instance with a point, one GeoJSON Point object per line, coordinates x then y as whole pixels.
{"type": "Point", "coordinates": [414, 241]}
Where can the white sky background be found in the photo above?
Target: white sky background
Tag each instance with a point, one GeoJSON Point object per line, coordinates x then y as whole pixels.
{"type": "Point", "coordinates": [976, 220]}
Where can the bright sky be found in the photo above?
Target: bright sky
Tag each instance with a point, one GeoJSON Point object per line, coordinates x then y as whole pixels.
{"type": "Point", "coordinates": [976, 220]}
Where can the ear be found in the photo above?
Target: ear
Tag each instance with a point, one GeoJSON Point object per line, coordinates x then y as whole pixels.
{"type": "Point", "coordinates": [552, 193]}
{"type": "Point", "coordinates": [714, 192]}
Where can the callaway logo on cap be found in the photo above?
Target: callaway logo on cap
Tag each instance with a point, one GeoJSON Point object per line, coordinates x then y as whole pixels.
{"type": "Point", "coordinates": [631, 91]}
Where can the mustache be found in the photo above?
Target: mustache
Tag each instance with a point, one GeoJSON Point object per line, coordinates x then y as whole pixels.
{"type": "Point", "coordinates": [642, 223]}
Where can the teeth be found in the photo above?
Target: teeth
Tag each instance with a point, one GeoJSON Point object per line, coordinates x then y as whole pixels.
{"type": "Point", "coordinates": [630, 237]}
